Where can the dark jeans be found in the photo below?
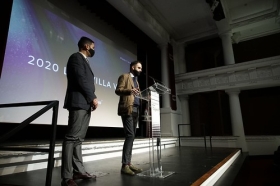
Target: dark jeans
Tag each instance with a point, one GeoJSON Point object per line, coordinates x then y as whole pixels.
{"type": "Point", "coordinates": [129, 125]}
{"type": "Point", "coordinates": [72, 145]}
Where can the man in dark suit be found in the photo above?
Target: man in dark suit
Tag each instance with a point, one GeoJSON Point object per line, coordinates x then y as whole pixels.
{"type": "Point", "coordinates": [128, 109]}
{"type": "Point", "coordinates": [80, 100]}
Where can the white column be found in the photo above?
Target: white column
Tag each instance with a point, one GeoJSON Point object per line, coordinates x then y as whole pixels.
{"type": "Point", "coordinates": [169, 120]}
{"type": "Point", "coordinates": [236, 119]}
{"type": "Point", "coordinates": [165, 74]}
{"type": "Point", "coordinates": [184, 99]}
{"type": "Point", "coordinates": [227, 48]}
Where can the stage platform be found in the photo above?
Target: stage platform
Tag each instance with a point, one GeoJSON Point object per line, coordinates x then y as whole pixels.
{"type": "Point", "coordinates": [192, 165]}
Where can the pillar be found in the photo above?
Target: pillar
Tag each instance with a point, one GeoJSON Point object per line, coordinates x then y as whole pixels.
{"type": "Point", "coordinates": [236, 119]}
{"type": "Point", "coordinates": [164, 74]}
{"type": "Point", "coordinates": [227, 48]}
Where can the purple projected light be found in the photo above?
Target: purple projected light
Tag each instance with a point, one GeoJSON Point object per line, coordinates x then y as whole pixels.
{"type": "Point", "coordinates": [38, 46]}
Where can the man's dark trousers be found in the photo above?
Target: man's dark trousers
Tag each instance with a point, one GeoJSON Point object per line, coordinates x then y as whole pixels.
{"type": "Point", "coordinates": [129, 125]}
{"type": "Point", "coordinates": [72, 153]}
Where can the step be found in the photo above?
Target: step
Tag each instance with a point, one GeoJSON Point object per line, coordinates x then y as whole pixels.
{"type": "Point", "coordinates": [19, 161]}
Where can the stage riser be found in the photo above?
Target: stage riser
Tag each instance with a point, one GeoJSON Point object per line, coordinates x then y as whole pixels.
{"type": "Point", "coordinates": [22, 161]}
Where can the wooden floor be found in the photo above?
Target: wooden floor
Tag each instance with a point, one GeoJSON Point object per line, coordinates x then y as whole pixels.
{"type": "Point", "coordinates": [190, 164]}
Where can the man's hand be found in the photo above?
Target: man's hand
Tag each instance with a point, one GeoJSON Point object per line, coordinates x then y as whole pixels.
{"type": "Point", "coordinates": [94, 104]}
{"type": "Point", "coordinates": [135, 91]}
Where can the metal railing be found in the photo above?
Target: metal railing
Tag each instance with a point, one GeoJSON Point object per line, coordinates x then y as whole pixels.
{"type": "Point", "coordinates": [49, 104]}
{"type": "Point", "coordinates": [204, 135]}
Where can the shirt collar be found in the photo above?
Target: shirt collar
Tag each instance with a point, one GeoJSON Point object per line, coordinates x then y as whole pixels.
{"type": "Point", "coordinates": [131, 75]}
{"type": "Point", "coordinates": [83, 55]}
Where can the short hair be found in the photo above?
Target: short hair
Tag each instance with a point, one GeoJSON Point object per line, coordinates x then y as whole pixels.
{"type": "Point", "coordinates": [83, 41]}
{"type": "Point", "coordinates": [134, 63]}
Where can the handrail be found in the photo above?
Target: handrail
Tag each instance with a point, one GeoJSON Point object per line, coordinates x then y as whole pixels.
{"type": "Point", "coordinates": [204, 135]}
{"type": "Point", "coordinates": [50, 104]}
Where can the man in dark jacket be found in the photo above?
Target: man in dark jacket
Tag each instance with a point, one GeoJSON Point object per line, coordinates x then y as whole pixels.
{"type": "Point", "coordinates": [80, 100]}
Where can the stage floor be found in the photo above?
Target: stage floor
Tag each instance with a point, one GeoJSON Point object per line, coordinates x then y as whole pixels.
{"type": "Point", "coordinates": [188, 163]}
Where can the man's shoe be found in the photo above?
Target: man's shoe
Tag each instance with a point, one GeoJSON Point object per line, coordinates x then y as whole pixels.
{"type": "Point", "coordinates": [135, 169]}
{"type": "Point", "coordinates": [127, 170]}
{"type": "Point", "coordinates": [68, 182]}
{"type": "Point", "coordinates": [86, 175]}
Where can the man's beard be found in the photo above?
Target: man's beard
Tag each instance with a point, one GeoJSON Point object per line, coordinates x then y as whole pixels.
{"type": "Point", "coordinates": [136, 73]}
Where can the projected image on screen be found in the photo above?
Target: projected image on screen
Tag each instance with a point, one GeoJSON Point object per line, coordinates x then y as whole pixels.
{"type": "Point", "coordinates": [39, 44]}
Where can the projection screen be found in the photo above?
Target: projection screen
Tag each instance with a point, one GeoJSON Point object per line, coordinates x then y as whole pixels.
{"type": "Point", "coordinates": [39, 43]}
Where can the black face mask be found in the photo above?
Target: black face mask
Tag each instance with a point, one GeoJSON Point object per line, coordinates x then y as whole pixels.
{"type": "Point", "coordinates": [92, 52]}
{"type": "Point", "coordinates": [136, 73]}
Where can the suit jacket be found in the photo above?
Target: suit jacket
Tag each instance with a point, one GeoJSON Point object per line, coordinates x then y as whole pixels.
{"type": "Point", "coordinates": [123, 89]}
{"type": "Point", "coordinates": [80, 83]}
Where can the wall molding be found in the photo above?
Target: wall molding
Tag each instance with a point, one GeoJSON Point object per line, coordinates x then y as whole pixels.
{"type": "Point", "coordinates": [248, 75]}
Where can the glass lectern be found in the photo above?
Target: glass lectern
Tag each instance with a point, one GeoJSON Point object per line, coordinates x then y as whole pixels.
{"type": "Point", "coordinates": [152, 119]}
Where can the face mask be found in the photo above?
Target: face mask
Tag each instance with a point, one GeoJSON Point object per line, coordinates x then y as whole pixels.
{"type": "Point", "coordinates": [92, 52]}
{"type": "Point", "coordinates": [136, 73]}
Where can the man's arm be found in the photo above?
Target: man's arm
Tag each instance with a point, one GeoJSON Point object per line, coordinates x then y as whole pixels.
{"type": "Point", "coordinates": [78, 72]}
{"type": "Point", "coordinates": [121, 88]}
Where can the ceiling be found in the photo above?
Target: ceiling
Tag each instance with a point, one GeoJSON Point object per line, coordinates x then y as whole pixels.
{"type": "Point", "coordinates": [186, 21]}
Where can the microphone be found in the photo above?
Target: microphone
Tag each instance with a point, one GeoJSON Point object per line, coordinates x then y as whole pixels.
{"type": "Point", "coordinates": [150, 77]}
{"type": "Point", "coordinates": [158, 84]}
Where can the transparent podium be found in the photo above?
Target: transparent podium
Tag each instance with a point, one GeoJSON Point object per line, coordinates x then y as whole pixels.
{"type": "Point", "coordinates": [152, 119]}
